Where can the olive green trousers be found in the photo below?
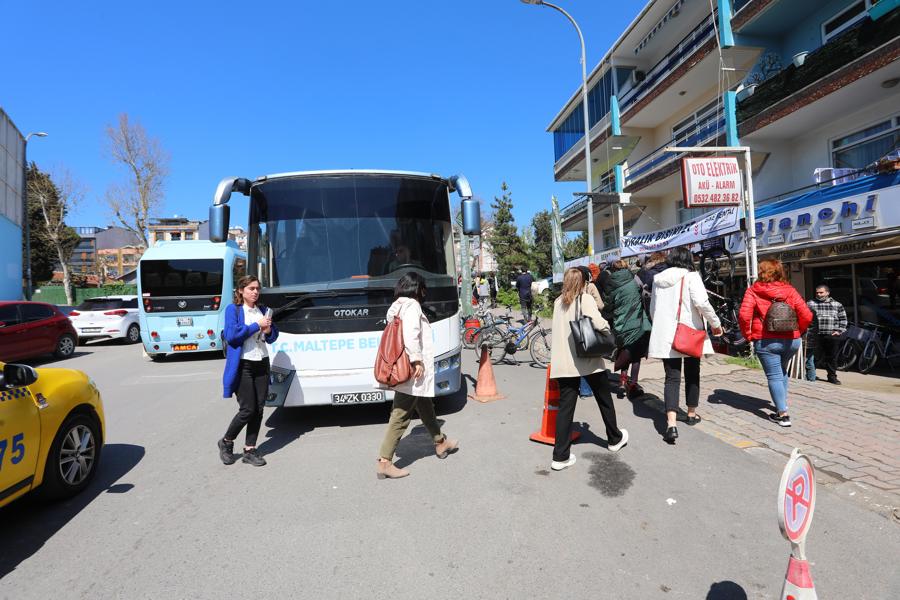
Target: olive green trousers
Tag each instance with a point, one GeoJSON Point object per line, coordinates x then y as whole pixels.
{"type": "Point", "coordinates": [401, 415]}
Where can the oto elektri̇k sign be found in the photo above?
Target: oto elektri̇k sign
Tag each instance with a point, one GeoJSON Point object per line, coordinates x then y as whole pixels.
{"type": "Point", "coordinates": [711, 181]}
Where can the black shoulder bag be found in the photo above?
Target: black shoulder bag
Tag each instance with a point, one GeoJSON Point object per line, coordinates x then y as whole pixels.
{"type": "Point", "coordinates": [589, 342]}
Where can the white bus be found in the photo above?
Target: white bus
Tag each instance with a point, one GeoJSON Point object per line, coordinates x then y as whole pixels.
{"type": "Point", "coordinates": [328, 248]}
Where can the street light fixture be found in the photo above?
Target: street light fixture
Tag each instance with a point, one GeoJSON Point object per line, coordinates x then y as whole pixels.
{"type": "Point", "coordinates": [587, 125]}
{"type": "Point", "coordinates": [27, 225]}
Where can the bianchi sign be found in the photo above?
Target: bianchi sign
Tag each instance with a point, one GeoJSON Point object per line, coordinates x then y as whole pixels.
{"type": "Point", "coordinates": [710, 225]}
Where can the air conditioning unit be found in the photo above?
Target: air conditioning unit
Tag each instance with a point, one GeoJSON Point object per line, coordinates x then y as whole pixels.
{"type": "Point", "coordinates": [637, 76]}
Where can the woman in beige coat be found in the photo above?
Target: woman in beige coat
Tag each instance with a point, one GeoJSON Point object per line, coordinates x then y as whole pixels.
{"type": "Point", "coordinates": [567, 367]}
{"type": "Point", "coordinates": [417, 393]}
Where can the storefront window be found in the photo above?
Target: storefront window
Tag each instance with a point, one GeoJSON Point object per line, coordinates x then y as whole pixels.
{"type": "Point", "coordinates": [876, 297]}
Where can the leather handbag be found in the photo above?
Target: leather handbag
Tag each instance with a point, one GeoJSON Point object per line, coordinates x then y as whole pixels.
{"type": "Point", "coordinates": [688, 341]}
{"type": "Point", "coordinates": [590, 342]}
{"type": "Point", "coordinates": [392, 365]}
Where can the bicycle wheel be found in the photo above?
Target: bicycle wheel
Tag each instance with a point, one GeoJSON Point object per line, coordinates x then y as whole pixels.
{"type": "Point", "coordinates": [846, 357]}
{"type": "Point", "coordinates": [540, 347]}
{"type": "Point", "coordinates": [468, 337]}
{"type": "Point", "coordinates": [495, 341]}
{"type": "Point", "coordinates": [868, 358]}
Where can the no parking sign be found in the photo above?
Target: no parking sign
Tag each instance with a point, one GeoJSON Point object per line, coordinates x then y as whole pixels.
{"type": "Point", "coordinates": [796, 504]}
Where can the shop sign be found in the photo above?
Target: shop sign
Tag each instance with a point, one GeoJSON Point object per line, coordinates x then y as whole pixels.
{"type": "Point", "coordinates": [710, 225]}
{"type": "Point", "coordinates": [842, 249]}
{"type": "Point", "coordinates": [711, 181]}
{"type": "Point", "coordinates": [855, 213]}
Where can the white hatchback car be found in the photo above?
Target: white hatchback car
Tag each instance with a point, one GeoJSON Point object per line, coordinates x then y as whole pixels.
{"type": "Point", "coordinates": [107, 317]}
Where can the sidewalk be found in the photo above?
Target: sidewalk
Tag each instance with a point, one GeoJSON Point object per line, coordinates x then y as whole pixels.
{"type": "Point", "coordinates": [852, 434]}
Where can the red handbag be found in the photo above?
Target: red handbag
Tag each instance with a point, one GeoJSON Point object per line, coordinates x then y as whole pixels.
{"type": "Point", "coordinates": [687, 340]}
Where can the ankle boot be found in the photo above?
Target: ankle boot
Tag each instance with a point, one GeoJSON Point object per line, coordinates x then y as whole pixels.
{"type": "Point", "coordinates": [387, 470]}
{"type": "Point", "coordinates": [446, 447]}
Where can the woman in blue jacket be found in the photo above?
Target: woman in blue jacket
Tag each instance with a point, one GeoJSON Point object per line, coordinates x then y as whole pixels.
{"type": "Point", "coordinates": [248, 328]}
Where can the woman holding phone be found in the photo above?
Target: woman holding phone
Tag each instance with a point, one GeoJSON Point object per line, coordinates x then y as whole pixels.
{"type": "Point", "coordinates": [248, 328]}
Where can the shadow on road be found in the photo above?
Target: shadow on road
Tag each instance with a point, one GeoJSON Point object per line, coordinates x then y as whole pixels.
{"type": "Point", "coordinates": [29, 522]}
{"type": "Point", "coordinates": [49, 361]}
{"type": "Point", "coordinates": [742, 402]}
{"type": "Point", "coordinates": [286, 425]}
{"type": "Point", "coordinates": [726, 590]}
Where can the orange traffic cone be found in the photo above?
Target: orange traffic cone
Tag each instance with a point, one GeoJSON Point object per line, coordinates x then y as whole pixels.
{"type": "Point", "coordinates": [547, 434]}
{"type": "Point", "coordinates": [486, 386]}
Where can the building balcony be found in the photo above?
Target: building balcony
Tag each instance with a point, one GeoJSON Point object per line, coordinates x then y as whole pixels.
{"type": "Point", "coordinates": [659, 164]}
{"type": "Point", "coordinates": [844, 61]}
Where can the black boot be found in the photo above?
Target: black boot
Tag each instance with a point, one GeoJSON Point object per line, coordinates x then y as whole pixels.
{"type": "Point", "coordinates": [670, 435]}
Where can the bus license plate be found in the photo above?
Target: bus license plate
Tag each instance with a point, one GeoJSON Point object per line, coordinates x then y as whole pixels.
{"type": "Point", "coordinates": [183, 347]}
{"type": "Point", "coordinates": [357, 397]}
{"type": "Point", "coordinates": [185, 321]}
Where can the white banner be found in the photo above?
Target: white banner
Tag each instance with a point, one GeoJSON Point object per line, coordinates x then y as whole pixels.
{"type": "Point", "coordinates": [711, 181]}
{"type": "Point", "coordinates": [709, 225]}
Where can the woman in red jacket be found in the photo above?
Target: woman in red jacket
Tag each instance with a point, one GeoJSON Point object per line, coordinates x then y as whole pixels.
{"type": "Point", "coordinates": [774, 348]}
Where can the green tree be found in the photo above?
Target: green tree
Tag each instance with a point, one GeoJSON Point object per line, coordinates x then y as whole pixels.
{"type": "Point", "coordinates": [52, 241]}
{"type": "Point", "coordinates": [541, 251]}
{"type": "Point", "coordinates": [504, 238]}
{"type": "Point", "coordinates": [576, 247]}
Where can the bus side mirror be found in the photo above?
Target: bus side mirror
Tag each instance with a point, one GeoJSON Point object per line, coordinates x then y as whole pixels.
{"type": "Point", "coordinates": [219, 216]}
{"type": "Point", "coordinates": [471, 217]}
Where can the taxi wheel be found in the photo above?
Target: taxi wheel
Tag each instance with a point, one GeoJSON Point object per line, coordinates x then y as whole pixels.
{"type": "Point", "coordinates": [65, 347]}
{"type": "Point", "coordinates": [73, 458]}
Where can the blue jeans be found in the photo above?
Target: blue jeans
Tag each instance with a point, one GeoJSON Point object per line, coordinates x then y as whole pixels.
{"type": "Point", "coordinates": [775, 354]}
{"type": "Point", "coordinates": [584, 390]}
{"type": "Point", "coordinates": [811, 366]}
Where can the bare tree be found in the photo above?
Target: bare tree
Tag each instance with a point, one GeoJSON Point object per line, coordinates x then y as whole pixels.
{"type": "Point", "coordinates": [147, 165]}
{"type": "Point", "coordinates": [57, 196]}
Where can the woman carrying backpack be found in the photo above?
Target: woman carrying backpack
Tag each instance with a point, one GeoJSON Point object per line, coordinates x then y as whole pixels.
{"type": "Point", "coordinates": [773, 317]}
{"type": "Point", "coordinates": [416, 393]}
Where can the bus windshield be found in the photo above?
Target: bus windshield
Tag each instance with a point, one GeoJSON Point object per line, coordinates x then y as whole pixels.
{"type": "Point", "coordinates": [182, 277]}
{"type": "Point", "coordinates": [317, 229]}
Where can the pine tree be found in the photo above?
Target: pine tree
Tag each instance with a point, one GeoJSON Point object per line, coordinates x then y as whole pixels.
{"type": "Point", "coordinates": [576, 247]}
{"type": "Point", "coordinates": [541, 250]}
{"type": "Point", "coordinates": [504, 239]}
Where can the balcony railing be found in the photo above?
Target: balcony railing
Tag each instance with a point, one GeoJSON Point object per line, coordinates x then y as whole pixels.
{"type": "Point", "coordinates": [607, 185]}
{"type": "Point", "coordinates": [840, 51]}
{"type": "Point", "coordinates": [671, 61]}
{"type": "Point", "coordinates": [660, 158]}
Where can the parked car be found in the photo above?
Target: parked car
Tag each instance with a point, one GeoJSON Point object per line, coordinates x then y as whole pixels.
{"type": "Point", "coordinates": [542, 285]}
{"type": "Point", "coordinates": [51, 431]}
{"type": "Point", "coordinates": [107, 317]}
{"type": "Point", "coordinates": [32, 329]}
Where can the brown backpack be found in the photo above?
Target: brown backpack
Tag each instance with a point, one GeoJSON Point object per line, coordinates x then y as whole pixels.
{"type": "Point", "coordinates": [780, 318]}
{"type": "Point", "coordinates": [392, 364]}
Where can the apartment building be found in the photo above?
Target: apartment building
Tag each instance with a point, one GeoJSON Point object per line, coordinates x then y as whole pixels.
{"type": "Point", "coordinates": [177, 229]}
{"type": "Point", "coordinates": [12, 221]}
{"type": "Point", "coordinates": [810, 86]}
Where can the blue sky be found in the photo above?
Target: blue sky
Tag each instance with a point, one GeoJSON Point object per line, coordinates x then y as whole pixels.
{"type": "Point", "coordinates": [248, 89]}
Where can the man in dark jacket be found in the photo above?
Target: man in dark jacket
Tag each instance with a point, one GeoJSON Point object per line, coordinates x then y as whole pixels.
{"type": "Point", "coordinates": [523, 285]}
{"type": "Point", "coordinates": [831, 319]}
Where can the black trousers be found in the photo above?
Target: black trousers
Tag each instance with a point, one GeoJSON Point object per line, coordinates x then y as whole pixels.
{"type": "Point", "coordinates": [672, 367]}
{"type": "Point", "coordinates": [826, 352]}
{"type": "Point", "coordinates": [568, 396]}
{"type": "Point", "coordinates": [253, 387]}
{"type": "Point", "coordinates": [526, 303]}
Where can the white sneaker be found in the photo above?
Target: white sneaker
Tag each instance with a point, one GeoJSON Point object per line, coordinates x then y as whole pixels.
{"type": "Point", "coordinates": [557, 465]}
{"type": "Point", "coordinates": [622, 442]}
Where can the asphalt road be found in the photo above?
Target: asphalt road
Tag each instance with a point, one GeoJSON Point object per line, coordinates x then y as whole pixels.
{"type": "Point", "coordinates": [164, 518]}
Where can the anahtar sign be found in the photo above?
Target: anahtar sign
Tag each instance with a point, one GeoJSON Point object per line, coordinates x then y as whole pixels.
{"type": "Point", "coordinates": [711, 182]}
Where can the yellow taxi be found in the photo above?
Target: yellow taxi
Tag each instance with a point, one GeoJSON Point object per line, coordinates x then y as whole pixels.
{"type": "Point", "coordinates": [51, 431]}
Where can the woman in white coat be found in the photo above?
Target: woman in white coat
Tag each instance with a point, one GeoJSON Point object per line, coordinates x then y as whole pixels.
{"type": "Point", "coordinates": [696, 312]}
{"type": "Point", "coordinates": [567, 368]}
{"type": "Point", "coordinates": [417, 393]}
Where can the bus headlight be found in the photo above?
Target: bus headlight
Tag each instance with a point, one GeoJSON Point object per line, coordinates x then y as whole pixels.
{"type": "Point", "coordinates": [444, 364]}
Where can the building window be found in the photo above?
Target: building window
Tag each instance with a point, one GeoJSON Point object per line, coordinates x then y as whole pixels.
{"type": "Point", "coordinates": [609, 238]}
{"type": "Point", "coordinates": [175, 236]}
{"type": "Point", "coordinates": [686, 214]}
{"type": "Point", "coordinates": [189, 235]}
{"type": "Point", "coordinates": [846, 19]}
{"type": "Point", "coordinates": [863, 147]}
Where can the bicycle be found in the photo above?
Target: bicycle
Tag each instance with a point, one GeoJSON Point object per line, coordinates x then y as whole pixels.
{"type": "Point", "coordinates": [486, 319]}
{"type": "Point", "coordinates": [855, 340]}
{"type": "Point", "coordinates": [501, 339]}
{"type": "Point", "coordinates": [726, 309]}
{"type": "Point", "coordinates": [879, 345]}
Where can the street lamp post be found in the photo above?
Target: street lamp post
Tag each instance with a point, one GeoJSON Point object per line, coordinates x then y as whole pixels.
{"type": "Point", "coordinates": [25, 222]}
{"type": "Point", "coordinates": [587, 125]}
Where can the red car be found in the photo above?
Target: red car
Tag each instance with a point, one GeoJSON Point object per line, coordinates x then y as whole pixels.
{"type": "Point", "coordinates": [31, 329]}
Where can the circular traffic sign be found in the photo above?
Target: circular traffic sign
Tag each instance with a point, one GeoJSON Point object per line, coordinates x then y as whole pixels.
{"type": "Point", "coordinates": [796, 497]}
